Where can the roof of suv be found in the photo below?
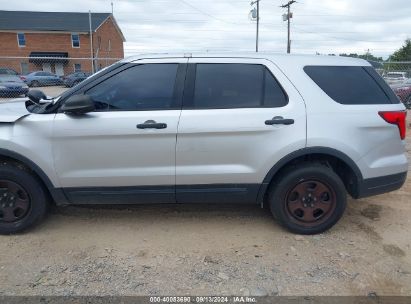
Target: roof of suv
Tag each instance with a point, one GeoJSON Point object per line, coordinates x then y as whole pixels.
{"type": "Point", "coordinates": [277, 58]}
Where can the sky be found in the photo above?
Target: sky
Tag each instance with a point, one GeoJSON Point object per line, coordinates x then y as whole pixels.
{"type": "Point", "coordinates": [323, 26]}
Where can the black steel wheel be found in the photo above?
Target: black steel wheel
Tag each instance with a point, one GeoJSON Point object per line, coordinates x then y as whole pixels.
{"type": "Point", "coordinates": [23, 199]}
{"type": "Point", "coordinates": [14, 201]}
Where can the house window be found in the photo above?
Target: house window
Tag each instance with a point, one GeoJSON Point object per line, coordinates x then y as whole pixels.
{"type": "Point", "coordinates": [21, 39]}
{"type": "Point", "coordinates": [24, 68]}
{"type": "Point", "coordinates": [77, 67]}
{"type": "Point", "coordinates": [75, 40]}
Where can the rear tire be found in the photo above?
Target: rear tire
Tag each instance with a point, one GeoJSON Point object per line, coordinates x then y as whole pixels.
{"type": "Point", "coordinates": [308, 198]}
{"type": "Point", "coordinates": [23, 199]}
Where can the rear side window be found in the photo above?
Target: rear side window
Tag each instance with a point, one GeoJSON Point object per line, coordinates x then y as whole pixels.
{"type": "Point", "coordinates": [352, 85]}
{"type": "Point", "coordinates": [222, 86]}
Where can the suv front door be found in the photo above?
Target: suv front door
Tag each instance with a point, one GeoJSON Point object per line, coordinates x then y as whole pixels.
{"type": "Point", "coordinates": [124, 152]}
{"type": "Point", "coordinates": [227, 140]}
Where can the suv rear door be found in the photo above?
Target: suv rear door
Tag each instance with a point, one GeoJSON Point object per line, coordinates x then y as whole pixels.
{"type": "Point", "coordinates": [117, 154]}
{"type": "Point", "coordinates": [227, 140]}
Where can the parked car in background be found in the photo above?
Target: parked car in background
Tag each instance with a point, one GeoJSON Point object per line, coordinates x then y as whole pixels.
{"type": "Point", "coordinates": [7, 71]}
{"type": "Point", "coordinates": [403, 91]}
{"type": "Point", "coordinates": [395, 77]}
{"type": "Point", "coordinates": [75, 78]}
{"type": "Point", "coordinates": [12, 86]}
{"type": "Point", "coordinates": [42, 78]}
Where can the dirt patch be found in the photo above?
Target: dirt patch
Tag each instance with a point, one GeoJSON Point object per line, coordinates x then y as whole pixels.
{"type": "Point", "coordinates": [393, 250]}
{"type": "Point", "coordinates": [369, 231]}
{"type": "Point", "coordinates": [372, 212]}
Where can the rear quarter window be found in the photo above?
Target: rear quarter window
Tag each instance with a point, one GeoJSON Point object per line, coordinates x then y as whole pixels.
{"type": "Point", "coordinates": [352, 85]}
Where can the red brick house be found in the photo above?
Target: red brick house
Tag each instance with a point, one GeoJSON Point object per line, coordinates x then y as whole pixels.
{"type": "Point", "coordinates": [60, 35]}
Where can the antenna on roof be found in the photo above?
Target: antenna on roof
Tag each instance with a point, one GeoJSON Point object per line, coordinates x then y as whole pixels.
{"type": "Point", "coordinates": [112, 7]}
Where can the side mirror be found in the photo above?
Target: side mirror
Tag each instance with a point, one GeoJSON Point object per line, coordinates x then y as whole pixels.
{"type": "Point", "coordinates": [36, 95]}
{"type": "Point", "coordinates": [78, 104]}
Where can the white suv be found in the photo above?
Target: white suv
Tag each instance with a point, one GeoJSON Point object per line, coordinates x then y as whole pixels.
{"type": "Point", "coordinates": [295, 133]}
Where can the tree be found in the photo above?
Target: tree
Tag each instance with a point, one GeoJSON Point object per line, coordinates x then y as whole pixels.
{"type": "Point", "coordinates": [404, 53]}
{"type": "Point", "coordinates": [366, 56]}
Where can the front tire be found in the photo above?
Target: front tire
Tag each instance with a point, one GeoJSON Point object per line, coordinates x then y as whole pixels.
{"type": "Point", "coordinates": [308, 198]}
{"type": "Point", "coordinates": [23, 200]}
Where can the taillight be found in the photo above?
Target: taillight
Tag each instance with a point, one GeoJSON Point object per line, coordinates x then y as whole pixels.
{"type": "Point", "coordinates": [396, 118]}
{"type": "Point", "coordinates": [22, 78]}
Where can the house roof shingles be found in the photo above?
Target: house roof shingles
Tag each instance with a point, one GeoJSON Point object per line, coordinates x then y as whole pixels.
{"type": "Point", "coordinates": [50, 21]}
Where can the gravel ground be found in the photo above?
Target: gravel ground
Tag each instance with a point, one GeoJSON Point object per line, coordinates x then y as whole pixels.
{"type": "Point", "coordinates": [211, 250]}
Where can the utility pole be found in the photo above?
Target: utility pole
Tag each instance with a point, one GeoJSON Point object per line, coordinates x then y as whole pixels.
{"type": "Point", "coordinates": [288, 18]}
{"type": "Point", "coordinates": [367, 54]}
{"type": "Point", "coordinates": [258, 21]}
{"type": "Point", "coordinates": [91, 42]}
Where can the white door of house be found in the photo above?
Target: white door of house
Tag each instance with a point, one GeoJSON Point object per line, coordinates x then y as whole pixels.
{"type": "Point", "coordinates": [59, 69]}
{"type": "Point", "coordinates": [47, 67]}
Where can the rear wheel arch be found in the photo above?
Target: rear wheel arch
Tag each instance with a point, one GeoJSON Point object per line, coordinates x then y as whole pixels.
{"type": "Point", "coordinates": [341, 164]}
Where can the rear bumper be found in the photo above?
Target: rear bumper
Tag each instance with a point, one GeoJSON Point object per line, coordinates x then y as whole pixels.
{"type": "Point", "coordinates": [380, 185]}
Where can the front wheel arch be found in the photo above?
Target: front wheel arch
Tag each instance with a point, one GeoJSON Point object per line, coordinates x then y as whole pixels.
{"type": "Point", "coordinates": [56, 194]}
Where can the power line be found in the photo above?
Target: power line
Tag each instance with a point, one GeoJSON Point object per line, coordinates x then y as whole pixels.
{"type": "Point", "coordinates": [207, 14]}
{"type": "Point", "coordinates": [341, 38]}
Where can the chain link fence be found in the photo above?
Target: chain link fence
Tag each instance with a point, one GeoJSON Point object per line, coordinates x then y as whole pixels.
{"type": "Point", "coordinates": [54, 74]}
{"type": "Point", "coordinates": [398, 76]}
{"type": "Point", "coordinates": [57, 74]}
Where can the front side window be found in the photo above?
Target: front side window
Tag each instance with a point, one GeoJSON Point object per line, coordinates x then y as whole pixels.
{"type": "Point", "coordinates": [21, 39]}
{"type": "Point", "coordinates": [230, 85]}
{"type": "Point", "coordinates": [141, 87]}
{"type": "Point", "coordinates": [75, 40]}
